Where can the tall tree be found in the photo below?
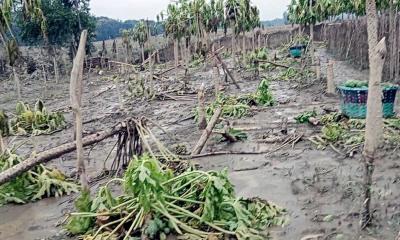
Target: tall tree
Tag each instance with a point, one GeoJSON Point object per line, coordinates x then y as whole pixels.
{"type": "Point", "coordinates": [374, 123]}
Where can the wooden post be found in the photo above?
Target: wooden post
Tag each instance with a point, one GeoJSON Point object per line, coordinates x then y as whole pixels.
{"type": "Point", "coordinates": [216, 80]}
{"type": "Point", "coordinates": [330, 79]}
{"type": "Point", "coordinates": [56, 74]}
{"type": "Point", "coordinates": [207, 132]}
{"type": "Point", "coordinates": [202, 108]}
{"type": "Point", "coordinates": [17, 83]}
{"type": "Point", "coordinates": [318, 68]}
{"type": "Point", "coordinates": [76, 104]}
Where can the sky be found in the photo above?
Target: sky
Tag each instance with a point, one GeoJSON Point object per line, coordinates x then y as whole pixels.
{"type": "Point", "coordinates": [143, 9]}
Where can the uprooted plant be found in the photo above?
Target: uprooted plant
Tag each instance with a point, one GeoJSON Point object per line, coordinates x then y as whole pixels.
{"type": "Point", "coordinates": [34, 121]}
{"type": "Point", "coordinates": [156, 203]}
{"type": "Point", "coordinates": [33, 185]}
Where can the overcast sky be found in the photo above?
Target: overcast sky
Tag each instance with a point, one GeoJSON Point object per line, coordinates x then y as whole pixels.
{"type": "Point", "coordinates": [138, 9]}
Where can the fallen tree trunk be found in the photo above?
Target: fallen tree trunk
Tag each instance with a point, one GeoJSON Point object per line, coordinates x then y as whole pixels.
{"type": "Point", "coordinates": [56, 152]}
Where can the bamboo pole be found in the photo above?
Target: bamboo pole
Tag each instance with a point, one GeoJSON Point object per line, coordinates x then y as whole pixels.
{"type": "Point", "coordinates": [207, 132]}
{"type": "Point", "coordinates": [76, 104]}
{"type": "Point", "coordinates": [202, 108]}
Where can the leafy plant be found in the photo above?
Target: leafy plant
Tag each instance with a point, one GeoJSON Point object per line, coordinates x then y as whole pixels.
{"type": "Point", "coordinates": [35, 184]}
{"type": "Point", "coordinates": [235, 107]}
{"type": "Point", "coordinates": [263, 95]}
{"type": "Point", "coordinates": [156, 202]}
{"type": "Point", "coordinates": [332, 132]}
{"type": "Point", "coordinates": [36, 121]}
{"type": "Point", "coordinates": [305, 116]}
{"type": "Point", "coordinates": [80, 225]}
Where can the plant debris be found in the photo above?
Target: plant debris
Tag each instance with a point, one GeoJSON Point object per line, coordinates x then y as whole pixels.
{"type": "Point", "coordinates": [156, 203]}
{"type": "Point", "coordinates": [34, 121]}
{"type": "Point", "coordinates": [346, 136]}
{"type": "Point", "coordinates": [238, 107]}
{"type": "Point", "coordinates": [33, 185]}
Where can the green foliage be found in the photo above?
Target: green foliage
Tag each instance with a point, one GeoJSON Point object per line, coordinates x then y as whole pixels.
{"type": "Point", "coordinates": [252, 58]}
{"type": "Point", "coordinates": [236, 133]}
{"type": "Point", "coordinates": [108, 28]}
{"type": "Point", "coordinates": [64, 21]}
{"type": "Point", "coordinates": [348, 134]}
{"type": "Point", "coordinates": [263, 95]}
{"type": "Point", "coordinates": [156, 202]}
{"type": "Point", "coordinates": [80, 225]}
{"type": "Point", "coordinates": [35, 184]}
{"type": "Point", "coordinates": [332, 132]}
{"type": "Point", "coordinates": [36, 121]}
{"type": "Point", "coordinates": [355, 84]}
{"type": "Point", "coordinates": [233, 107]}
{"type": "Point", "coordinates": [305, 116]}
{"type": "Point", "coordinates": [140, 33]}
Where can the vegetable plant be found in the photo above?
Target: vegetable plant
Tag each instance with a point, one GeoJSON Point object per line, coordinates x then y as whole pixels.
{"type": "Point", "coordinates": [156, 202]}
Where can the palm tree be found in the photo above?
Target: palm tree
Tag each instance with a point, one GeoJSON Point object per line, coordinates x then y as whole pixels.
{"type": "Point", "coordinates": [232, 8]}
{"type": "Point", "coordinates": [126, 42]}
{"type": "Point", "coordinates": [140, 34]}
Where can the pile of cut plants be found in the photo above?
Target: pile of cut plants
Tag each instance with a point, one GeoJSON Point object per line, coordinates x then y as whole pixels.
{"type": "Point", "coordinates": [35, 184]}
{"type": "Point", "coordinates": [157, 203]}
{"type": "Point", "coordinates": [28, 121]}
{"type": "Point", "coordinates": [344, 135]}
{"type": "Point", "coordinates": [238, 107]}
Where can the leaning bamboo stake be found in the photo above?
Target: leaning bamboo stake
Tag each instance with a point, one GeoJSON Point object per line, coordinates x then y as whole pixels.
{"type": "Point", "coordinates": [330, 79]}
{"type": "Point", "coordinates": [202, 108]}
{"type": "Point", "coordinates": [227, 70]}
{"type": "Point", "coordinates": [56, 152]}
{"type": "Point", "coordinates": [207, 132]}
{"type": "Point", "coordinates": [76, 104]}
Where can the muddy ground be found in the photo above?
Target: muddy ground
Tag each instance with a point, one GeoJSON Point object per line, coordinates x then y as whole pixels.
{"type": "Point", "coordinates": [320, 189]}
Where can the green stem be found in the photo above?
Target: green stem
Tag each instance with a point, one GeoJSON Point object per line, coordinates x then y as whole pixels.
{"type": "Point", "coordinates": [185, 175]}
{"type": "Point", "coordinates": [188, 183]}
{"type": "Point", "coordinates": [199, 218]}
{"type": "Point", "coordinates": [123, 204]}
{"type": "Point", "coordinates": [134, 224]}
{"type": "Point", "coordinates": [183, 199]}
{"type": "Point", "coordinates": [106, 225]}
{"type": "Point", "coordinates": [173, 220]}
{"type": "Point", "coordinates": [120, 225]}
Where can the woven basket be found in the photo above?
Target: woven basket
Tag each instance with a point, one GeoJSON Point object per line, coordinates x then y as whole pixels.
{"type": "Point", "coordinates": [353, 101]}
{"type": "Point", "coordinates": [296, 51]}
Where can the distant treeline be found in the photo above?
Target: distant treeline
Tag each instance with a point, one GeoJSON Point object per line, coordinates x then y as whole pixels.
{"type": "Point", "coordinates": [108, 28]}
